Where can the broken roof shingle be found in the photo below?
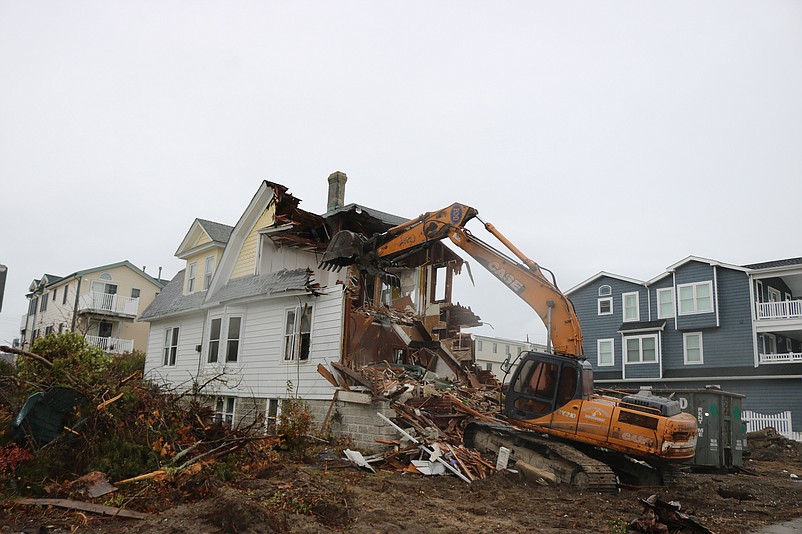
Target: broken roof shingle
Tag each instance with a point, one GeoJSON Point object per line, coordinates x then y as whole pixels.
{"type": "Point", "coordinates": [172, 299]}
{"type": "Point", "coordinates": [265, 284]}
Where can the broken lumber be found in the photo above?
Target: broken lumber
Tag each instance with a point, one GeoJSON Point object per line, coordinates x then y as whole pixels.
{"type": "Point", "coordinates": [424, 448]}
{"type": "Point", "coordinates": [84, 507]}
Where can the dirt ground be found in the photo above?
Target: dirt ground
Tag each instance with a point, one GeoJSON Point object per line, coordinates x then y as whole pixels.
{"type": "Point", "coordinates": [311, 499]}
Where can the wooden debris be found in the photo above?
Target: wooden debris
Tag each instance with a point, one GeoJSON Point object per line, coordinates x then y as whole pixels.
{"type": "Point", "coordinates": [84, 507]}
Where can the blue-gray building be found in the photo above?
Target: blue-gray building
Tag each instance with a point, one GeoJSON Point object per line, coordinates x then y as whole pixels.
{"type": "Point", "coordinates": [701, 322]}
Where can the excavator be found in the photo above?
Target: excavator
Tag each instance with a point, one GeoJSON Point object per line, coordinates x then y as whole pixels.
{"type": "Point", "coordinates": [558, 422]}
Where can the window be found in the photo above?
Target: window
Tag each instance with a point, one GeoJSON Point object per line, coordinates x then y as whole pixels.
{"type": "Point", "coordinates": [605, 291]}
{"type": "Point", "coordinates": [48, 330]}
{"type": "Point", "coordinates": [695, 298]}
{"type": "Point", "coordinates": [488, 366]}
{"type": "Point", "coordinates": [605, 352]}
{"type": "Point", "coordinates": [631, 306]}
{"type": "Point", "coordinates": [297, 333]}
{"type": "Point", "coordinates": [495, 348]}
{"type": "Point", "coordinates": [224, 410]}
{"type": "Point", "coordinates": [61, 328]}
{"type": "Point", "coordinates": [665, 303]}
{"type": "Point", "coordinates": [232, 345]}
{"type": "Point", "coordinates": [759, 290]}
{"type": "Point", "coordinates": [774, 295]}
{"type": "Point", "coordinates": [191, 277]}
{"type": "Point", "coordinates": [135, 293]}
{"type": "Point", "coordinates": [479, 345]}
{"type": "Point", "coordinates": [214, 340]}
{"type": "Point", "coordinates": [641, 349]}
{"type": "Point", "coordinates": [32, 305]}
{"type": "Point", "coordinates": [789, 345]}
{"type": "Point", "coordinates": [506, 349]}
{"type": "Point", "coordinates": [170, 345]}
{"type": "Point", "coordinates": [64, 294]}
{"type": "Point", "coordinates": [43, 305]}
{"type": "Point", "coordinates": [207, 272]}
{"type": "Point", "coordinates": [692, 347]}
{"type": "Point", "coordinates": [55, 293]}
{"type": "Point", "coordinates": [606, 306]}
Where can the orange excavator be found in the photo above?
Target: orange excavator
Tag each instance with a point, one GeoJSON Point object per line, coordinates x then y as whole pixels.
{"type": "Point", "coordinates": [559, 423]}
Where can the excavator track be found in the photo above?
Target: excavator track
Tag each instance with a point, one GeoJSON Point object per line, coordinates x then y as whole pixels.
{"type": "Point", "coordinates": [568, 463]}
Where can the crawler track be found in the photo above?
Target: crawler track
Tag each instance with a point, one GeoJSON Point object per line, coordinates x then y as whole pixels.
{"type": "Point", "coordinates": [571, 465]}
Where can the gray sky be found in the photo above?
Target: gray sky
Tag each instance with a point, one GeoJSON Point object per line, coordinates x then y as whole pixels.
{"type": "Point", "coordinates": [620, 136]}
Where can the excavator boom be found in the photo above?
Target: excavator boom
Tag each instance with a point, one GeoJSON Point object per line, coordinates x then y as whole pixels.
{"type": "Point", "coordinates": [525, 279]}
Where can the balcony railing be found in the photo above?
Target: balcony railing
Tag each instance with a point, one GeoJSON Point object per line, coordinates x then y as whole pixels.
{"type": "Point", "coordinates": [785, 357]}
{"type": "Point", "coordinates": [111, 344]}
{"type": "Point", "coordinates": [784, 309]}
{"type": "Point", "coordinates": [104, 302]}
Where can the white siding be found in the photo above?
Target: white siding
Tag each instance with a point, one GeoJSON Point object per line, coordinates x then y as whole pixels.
{"type": "Point", "coordinates": [185, 369]}
{"type": "Point", "coordinates": [264, 371]}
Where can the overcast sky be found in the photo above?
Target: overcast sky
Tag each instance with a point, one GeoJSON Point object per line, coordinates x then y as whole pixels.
{"type": "Point", "coordinates": [617, 136]}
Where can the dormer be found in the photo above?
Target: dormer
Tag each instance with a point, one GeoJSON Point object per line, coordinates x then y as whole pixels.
{"type": "Point", "coordinates": [202, 249]}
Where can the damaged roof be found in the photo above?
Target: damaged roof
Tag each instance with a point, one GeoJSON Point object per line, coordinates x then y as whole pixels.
{"type": "Point", "coordinates": [172, 299]}
{"type": "Point", "coordinates": [267, 284]}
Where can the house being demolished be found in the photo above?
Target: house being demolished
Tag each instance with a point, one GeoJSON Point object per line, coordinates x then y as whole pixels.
{"type": "Point", "coordinates": [253, 318]}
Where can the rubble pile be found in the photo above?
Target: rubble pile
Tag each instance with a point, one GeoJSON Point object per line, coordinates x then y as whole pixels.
{"type": "Point", "coordinates": [768, 445]}
{"type": "Point", "coordinates": [431, 411]}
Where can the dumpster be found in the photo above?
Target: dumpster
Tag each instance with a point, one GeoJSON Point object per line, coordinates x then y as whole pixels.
{"type": "Point", "coordinates": [722, 433]}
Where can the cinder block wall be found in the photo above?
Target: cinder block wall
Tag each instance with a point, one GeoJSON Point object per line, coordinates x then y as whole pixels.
{"type": "Point", "coordinates": [358, 422]}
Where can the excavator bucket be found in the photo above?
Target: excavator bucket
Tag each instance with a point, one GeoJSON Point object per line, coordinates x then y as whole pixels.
{"type": "Point", "coordinates": [345, 248]}
{"type": "Point", "coordinates": [350, 248]}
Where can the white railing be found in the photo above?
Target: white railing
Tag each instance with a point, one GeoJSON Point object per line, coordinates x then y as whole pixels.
{"type": "Point", "coordinates": [784, 309]}
{"type": "Point", "coordinates": [785, 357]}
{"type": "Point", "coordinates": [781, 422]}
{"type": "Point", "coordinates": [104, 302]}
{"type": "Point", "coordinates": [112, 344]}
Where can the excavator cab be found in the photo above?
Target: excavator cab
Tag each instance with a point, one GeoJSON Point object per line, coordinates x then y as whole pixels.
{"type": "Point", "coordinates": [544, 382]}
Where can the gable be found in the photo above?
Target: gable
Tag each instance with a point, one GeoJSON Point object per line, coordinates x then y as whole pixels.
{"type": "Point", "coordinates": [246, 260]}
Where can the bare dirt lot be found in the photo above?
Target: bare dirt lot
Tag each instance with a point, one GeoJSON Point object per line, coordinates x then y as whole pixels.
{"type": "Point", "coordinates": [302, 498]}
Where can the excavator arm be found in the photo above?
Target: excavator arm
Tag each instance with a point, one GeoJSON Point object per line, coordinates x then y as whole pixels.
{"type": "Point", "coordinates": [525, 279]}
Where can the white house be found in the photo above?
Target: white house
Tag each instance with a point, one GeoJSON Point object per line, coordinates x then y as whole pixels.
{"type": "Point", "coordinates": [253, 316]}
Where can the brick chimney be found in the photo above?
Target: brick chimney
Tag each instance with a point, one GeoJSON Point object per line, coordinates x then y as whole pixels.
{"type": "Point", "coordinates": [336, 190]}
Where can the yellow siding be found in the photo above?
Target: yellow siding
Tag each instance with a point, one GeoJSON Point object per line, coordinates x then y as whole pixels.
{"type": "Point", "coordinates": [200, 269]}
{"type": "Point", "coordinates": [202, 240]}
{"type": "Point", "coordinates": [246, 262]}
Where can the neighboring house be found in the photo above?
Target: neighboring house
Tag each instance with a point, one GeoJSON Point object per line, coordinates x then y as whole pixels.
{"type": "Point", "coordinates": [252, 317]}
{"type": "Point", "coordinates": [102, 303]}
{"type": "Point", "coordinates": [700, 323]}
{"type": "Point", "coordinates": [490, 352]}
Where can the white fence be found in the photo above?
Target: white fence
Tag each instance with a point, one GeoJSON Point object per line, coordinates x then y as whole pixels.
{"type": "Point", "coordinates": [781, 422]}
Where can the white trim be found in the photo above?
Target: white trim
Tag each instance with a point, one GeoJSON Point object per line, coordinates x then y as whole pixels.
{"type": "Point", "coordinates": [695, 311]}
{"type": "Point", "coordinates": [598, 352]}
{"type": "Point", "coordinates": [670, 291]}
{"type": "Point", "coordinates": [624, 306]}
{"type": "Point", "coordinates": [608, 293]}
{"type": "Point", "coordinates": [706, 379]}
{"type": "Point", "coordinates": [598, 305]}
{"type": "Point", "coordinates": [164, 356]}
{"type": "Point", "coordinates": [772, 292]}
{"type": "Point", "coordinates": [685, 337]}
{"type": "Point", "coordinates": [602, 274]}
{"type": "Point", "coordinates": [625, 350]}
{"type": "Point", "coordinates": [192, 275]}
{"type": "Point", "coordinates": [297, 309]}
